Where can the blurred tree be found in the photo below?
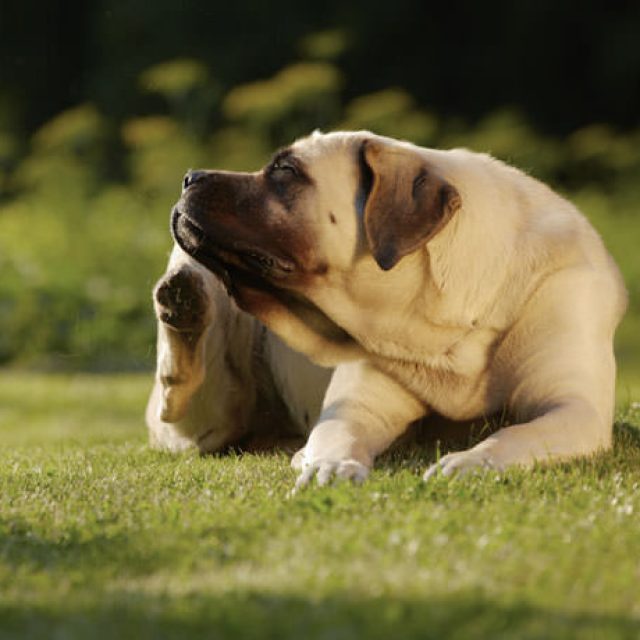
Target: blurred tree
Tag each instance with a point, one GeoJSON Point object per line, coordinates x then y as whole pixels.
{"type": "Point", "coordinates": [328, 45]}
{"type": "Point", "coordinates": [160, 153]}
{"type": "Point", "coordinates": [187, 87]}
{"type": "Point", "coordinates": [563, 64]}
{"type": "Point", "coordinates": [68, 153]}
{"type": "Point", "coordinates": [105, 104]}
{"type": "Point", "coordinates": [391, 112]}
{"type": "Point", "coordinates": [282, 108]}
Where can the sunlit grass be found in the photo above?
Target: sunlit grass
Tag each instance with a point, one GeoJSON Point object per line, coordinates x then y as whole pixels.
{"type": "Point", "coordinates": [101, 537]}
{"type": "Point", "coordinates": [79, 408]}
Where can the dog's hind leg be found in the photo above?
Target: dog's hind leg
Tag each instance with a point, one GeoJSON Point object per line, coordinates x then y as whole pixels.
{"type": "Point", "coordinates": [203, 391]}
{"type": "Point", "coordinates": [183, 309]}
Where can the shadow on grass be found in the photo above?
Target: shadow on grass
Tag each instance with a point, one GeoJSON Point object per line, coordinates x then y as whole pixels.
{"type": "Point", "coordinates": [464, 615]}
{"type": "Point", "coordinates": [76, 554]}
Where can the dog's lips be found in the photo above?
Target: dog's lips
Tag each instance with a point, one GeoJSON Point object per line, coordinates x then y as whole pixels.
{"type": "Point", "coordinates": [235, 260]}
{"type": "Point", "coordinates": [190, 237]}
{"type": "Point", "coordinates": [185, 232]}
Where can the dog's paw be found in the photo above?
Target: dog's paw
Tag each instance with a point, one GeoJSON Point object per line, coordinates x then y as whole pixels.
{"type": "Point", "coordinates": [475, 460]}
{"type": "Point", "coordinates": [324, 471]}
{"type": "Point", "coordinates": [181, 301]}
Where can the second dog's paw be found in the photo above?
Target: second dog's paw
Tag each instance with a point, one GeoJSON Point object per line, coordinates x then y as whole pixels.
{"type": "Point", "coordinates": [181, 301]}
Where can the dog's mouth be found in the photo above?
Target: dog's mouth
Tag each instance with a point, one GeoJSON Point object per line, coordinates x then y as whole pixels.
{"type": "Point", "coordinates": [234, 262]}
{"type": "Point", "coordinates": [239, 265]}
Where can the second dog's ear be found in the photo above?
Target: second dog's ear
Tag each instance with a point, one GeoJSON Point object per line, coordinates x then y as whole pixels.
{"type": "Point", "coordinates": [408, 203]}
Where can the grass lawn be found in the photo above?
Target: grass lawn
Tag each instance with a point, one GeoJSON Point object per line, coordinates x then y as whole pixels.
{"type": "Point", "coordinates": [102, 538]}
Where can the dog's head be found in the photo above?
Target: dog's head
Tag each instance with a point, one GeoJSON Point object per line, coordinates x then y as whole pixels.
{"type": "Point", "coordinates": [321, 209]}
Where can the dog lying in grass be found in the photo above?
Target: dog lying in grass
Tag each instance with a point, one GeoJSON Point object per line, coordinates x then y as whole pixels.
{"type": "Point", "coordinates": [357, 284]}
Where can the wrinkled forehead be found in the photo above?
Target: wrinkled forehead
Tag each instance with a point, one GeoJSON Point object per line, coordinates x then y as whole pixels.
{"type": "Point", "coordinates": [330, 153]}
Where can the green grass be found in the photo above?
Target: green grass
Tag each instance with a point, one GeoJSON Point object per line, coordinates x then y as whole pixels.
{"type": "Point", "coordinates": [102, 538]}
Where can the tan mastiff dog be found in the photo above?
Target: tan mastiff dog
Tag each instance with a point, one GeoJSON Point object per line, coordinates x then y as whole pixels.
{"type": "Point", "coordinates": [416, 280]}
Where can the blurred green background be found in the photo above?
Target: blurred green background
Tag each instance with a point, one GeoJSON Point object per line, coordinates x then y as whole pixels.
{"type": "Point", "coordinates": [105, 104]}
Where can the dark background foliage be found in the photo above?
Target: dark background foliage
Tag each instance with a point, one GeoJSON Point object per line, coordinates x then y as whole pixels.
{"type": "Point", "coordinates": [104, 104]}
{"type": "Point", "coordinates": [565, 64]}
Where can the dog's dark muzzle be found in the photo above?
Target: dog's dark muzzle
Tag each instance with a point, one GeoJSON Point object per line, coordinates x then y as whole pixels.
{"type": "Point", "coordinates": [186, 233]}
{"type": "Point", "coordinates": [233, 261]}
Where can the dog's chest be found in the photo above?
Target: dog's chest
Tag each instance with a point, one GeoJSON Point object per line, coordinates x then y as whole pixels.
{"type": "Point", "coordinates": [454, 379]}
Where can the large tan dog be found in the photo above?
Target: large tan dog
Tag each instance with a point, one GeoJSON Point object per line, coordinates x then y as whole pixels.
{"type": "Point", "coordinates": [427, 280]}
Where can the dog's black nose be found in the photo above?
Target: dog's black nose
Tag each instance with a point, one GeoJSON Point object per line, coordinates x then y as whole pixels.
{"type": "Point", "coordinates": [191, 177]}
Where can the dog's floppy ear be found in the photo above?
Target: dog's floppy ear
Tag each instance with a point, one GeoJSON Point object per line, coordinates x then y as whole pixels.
{"type": "Point", "coordinates": [408, 202]}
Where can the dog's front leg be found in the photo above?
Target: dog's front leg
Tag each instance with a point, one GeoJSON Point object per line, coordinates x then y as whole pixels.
{"type": "Point", "coordinates": [559, 363]}
{"type": "Point", "coordinates": [364, 411]}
